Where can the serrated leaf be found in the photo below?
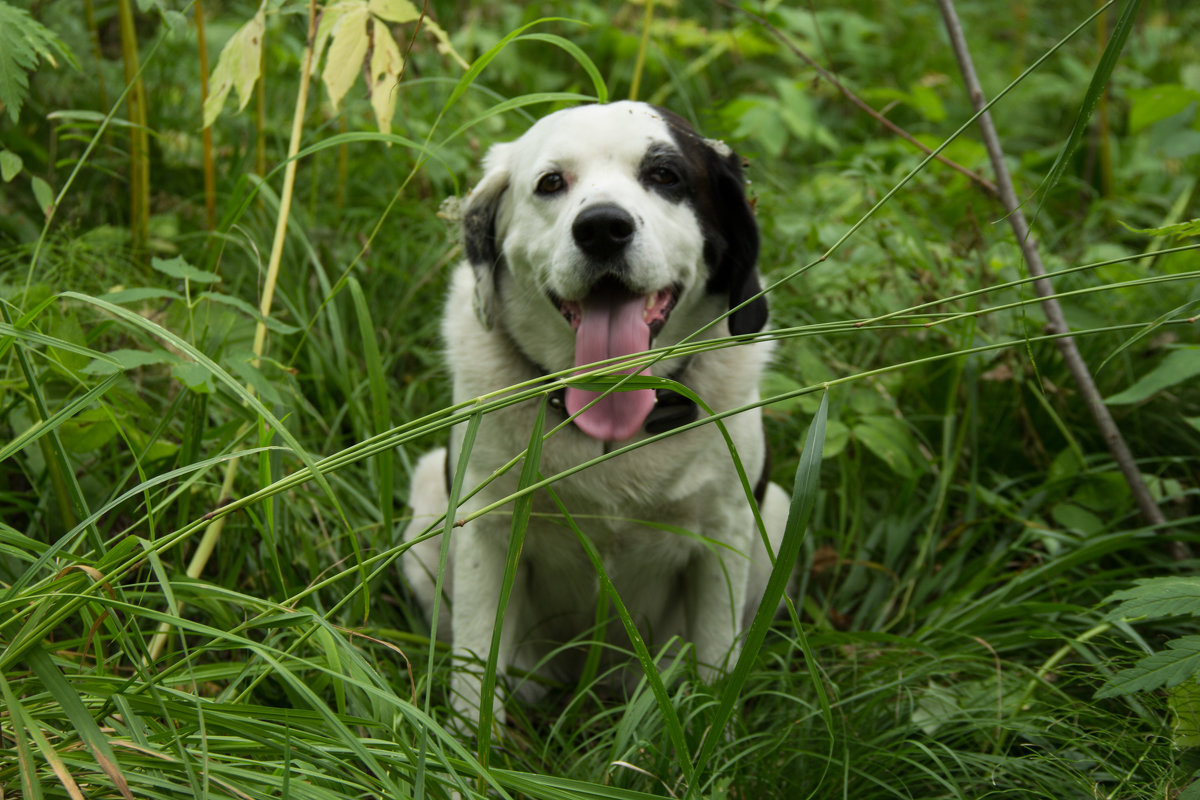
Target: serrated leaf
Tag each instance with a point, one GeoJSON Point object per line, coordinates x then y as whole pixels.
{"type": "Point", "coordinates": [177, 267]}
{"type": "Point", "coordinates": [23, 42]}
{"type": "Point", "coordinates": [443, 42]}
{"type": "Point", "coordinates": [386, 65]}
{"type": "Point", "coordinates": [394, 10]}
{"type": "Point", "coordinates": [347, 51]}
{"type": "Point", "coordinates": [43, 194]}
{"type": "Point", "coordinates": [1179, 366]}
{"type": "Point", "coordinates": [1180, 230]}
{"type": "Point", "coordinates": [1170, 667]}
{"type": "Point", "coordinates": [10, 165]}
{"type": "Point", "coordinates": [237, 67]}
{"type": "Point", "coordinates": [1157, 597]}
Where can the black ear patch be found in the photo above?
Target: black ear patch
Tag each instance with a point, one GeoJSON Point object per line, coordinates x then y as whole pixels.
{"type": "Point", "coordinates": [718, 194]}
{"type": "Point", "coordinates": [480, 235]}
{"type": "Point", "coordinates": [736, 270]}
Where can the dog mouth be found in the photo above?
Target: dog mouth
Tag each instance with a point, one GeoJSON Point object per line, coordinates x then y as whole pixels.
{"type": "Point", "coordinates": [610, 322]}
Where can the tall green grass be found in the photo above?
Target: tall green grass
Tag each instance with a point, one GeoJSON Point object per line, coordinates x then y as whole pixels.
{"type": "Point", "coordinates": [955, 522]}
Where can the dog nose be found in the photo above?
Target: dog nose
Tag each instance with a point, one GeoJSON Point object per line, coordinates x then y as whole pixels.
{"type": "Point", "coordinates": [603, 230]}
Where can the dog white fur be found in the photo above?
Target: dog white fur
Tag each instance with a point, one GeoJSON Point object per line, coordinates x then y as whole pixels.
{"type": "Point", "coordinates": [593, 210]}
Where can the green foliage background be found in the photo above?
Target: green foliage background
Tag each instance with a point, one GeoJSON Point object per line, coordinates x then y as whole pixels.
{"type": "Point", "coordinates": [951, 633]}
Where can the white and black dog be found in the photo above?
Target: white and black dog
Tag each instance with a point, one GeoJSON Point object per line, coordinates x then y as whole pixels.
{"type": "Point", "coordinates": [603, 231]}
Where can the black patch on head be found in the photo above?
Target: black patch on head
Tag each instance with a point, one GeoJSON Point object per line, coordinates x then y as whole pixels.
{"type": "Point", "coordinates": [715, 188]}
{"type": "Point", "coordinates": [479, 233]}
{"type": "Point", "coordinates": [665, 172]}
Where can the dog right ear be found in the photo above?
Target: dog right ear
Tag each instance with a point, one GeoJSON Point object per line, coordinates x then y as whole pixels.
{"type": "Point", "coordinates": [479, 230]}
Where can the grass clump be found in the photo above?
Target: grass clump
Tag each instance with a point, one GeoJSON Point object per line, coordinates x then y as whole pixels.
{"type": "Point", "coordinates": [950, 635]}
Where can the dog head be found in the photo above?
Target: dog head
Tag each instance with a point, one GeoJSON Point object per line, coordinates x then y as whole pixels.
{"type": "Point", "coordinates": [606, 229]}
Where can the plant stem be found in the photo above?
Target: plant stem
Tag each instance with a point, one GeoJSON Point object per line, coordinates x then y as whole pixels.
{"type": "Point", "coordinates": [212, 533]}
{"type": "Point", "coordinates": [210, 181]}
{"type": "Point", "coordinates": [1056, 321]}
{"type": "Point", "coordinates": [636, 83]}
{"type": "Point", "coordinates": [139, 155]}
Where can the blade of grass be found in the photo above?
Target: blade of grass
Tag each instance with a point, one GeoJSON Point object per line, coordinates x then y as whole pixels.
{"type": "Point", "coordinates": [804, 494]}
{"type": "Point", "coordinates": [81, 720]}
{"type": "Point", "coordinates": [522, 508]}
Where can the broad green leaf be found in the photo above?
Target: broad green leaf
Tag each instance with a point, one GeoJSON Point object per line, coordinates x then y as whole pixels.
{"type": "Point", "coordinates": [138, 294]}
{"type": "Point", "coordinates": [1078, 519]}
{"type": "Point", "coordinates": [179, 268]}
{"type": "Point", "coordinates": [1157, 597]}
{"type": "Point", "coordinates": [346, 52]}
{"type": "Point", "coordinates": [238, 66]}
{"type": "Point", "coordinates": [10, 165]}
{"type": "Point", "coordinates": [1184, 701]}
{"type": "Point", "coordinates": [1170, 667]}
{"type": "Point", "coordinates": [386, 65]}
{"type": "Point", "coordinates": [121, 360]}
{"type": "Point", "coordinates": [43, 194]}
{"type": "Point", "coordinates": [1154, 103]}
{"type": "Point", "coordinates": [195, 377]}
{"type": "Point", "coordinates": [893, 442]}
{"type": "Point", "coordinates": [272, 323]}
{"type": "Point", "coordinates": [1179, 366]}
{"type": "Point", "coordinates": [400, 11]}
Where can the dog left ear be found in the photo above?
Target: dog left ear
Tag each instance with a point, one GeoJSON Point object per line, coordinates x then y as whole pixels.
{"type": "Point", "coordinates": [737, 265]}
{"type": "Point", "coordinates": [479, 230]}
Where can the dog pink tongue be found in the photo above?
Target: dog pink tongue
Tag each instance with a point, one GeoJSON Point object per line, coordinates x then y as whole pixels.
{"type": "Point", "coordinates": [611, 325]}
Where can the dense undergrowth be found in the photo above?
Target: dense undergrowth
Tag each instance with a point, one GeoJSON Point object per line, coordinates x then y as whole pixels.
{"type": "Point", "coordinates": [969, 522]}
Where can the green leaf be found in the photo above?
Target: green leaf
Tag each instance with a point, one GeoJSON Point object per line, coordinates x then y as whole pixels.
{"type": "Point", "coordinates": [250, 311]}
{"type": "Point", "coordinates": [346, 52]}
{"type": "Point", "coordinates": [1184, 701]}
{"type": "Point", "coordinates": [1157, 597]}
{"type": "Point", "coordinates": [238, 66]}
{"type": "Point", "coordinates": [139, 294]}
{"type": "Point", "coordinates": [43, 194]}
{"type": "Point", "coordinates": [23, 42]}
{"type": "Point", "coordinates": [195, 377]}
{"type": "Point", "coordinates": [1179, 366]}
{"type": "Point", "coordinates": [121, 360]}
{"type": "Point", "coordinates": [179, 268]}
{"type": "Point", "coordinates": [81, 719]}
{"type": "Point", "coordinates": [10, 165]}
{"type": "Point", "coordinates": [386, 65]}
{"type": "Point", "coordinates": [892, 441]}
{"type": "Point", "coordinates": [1154, 103]}
{"type": "Point", "coordinates": [399, 11]}
{"type": "Point", "coordinates": [1180, 230]}
{"type": "Point", "coordinates": [1170, 667]}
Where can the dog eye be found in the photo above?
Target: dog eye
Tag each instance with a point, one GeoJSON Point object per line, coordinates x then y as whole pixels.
{"type": "Point", "coordinates": [664, 176]}
{"type": "Point", "coordinates": [551, 183]}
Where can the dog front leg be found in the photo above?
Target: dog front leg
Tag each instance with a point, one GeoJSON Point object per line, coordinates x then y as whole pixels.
{"type": "Point", "coordinates": [716, 602]}
{"type": "Point", "coordinates": [479, 550]}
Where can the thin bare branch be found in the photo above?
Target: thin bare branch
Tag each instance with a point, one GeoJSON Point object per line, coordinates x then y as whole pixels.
{"type": "Point", "coordinates": [1056, 321]}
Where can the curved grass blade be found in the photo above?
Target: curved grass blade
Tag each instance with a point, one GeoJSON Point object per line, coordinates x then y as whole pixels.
{"type": "Point", "coordinates": [645, 659]}
{"type": "Point", "coordinates": [1091, 98]}
{"type": "Point", "coordinates": [803, 495]}
{"type": "Point", "coordinates": [522, 508]}
{"type": "Point", "coordinates": [85, 726]}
